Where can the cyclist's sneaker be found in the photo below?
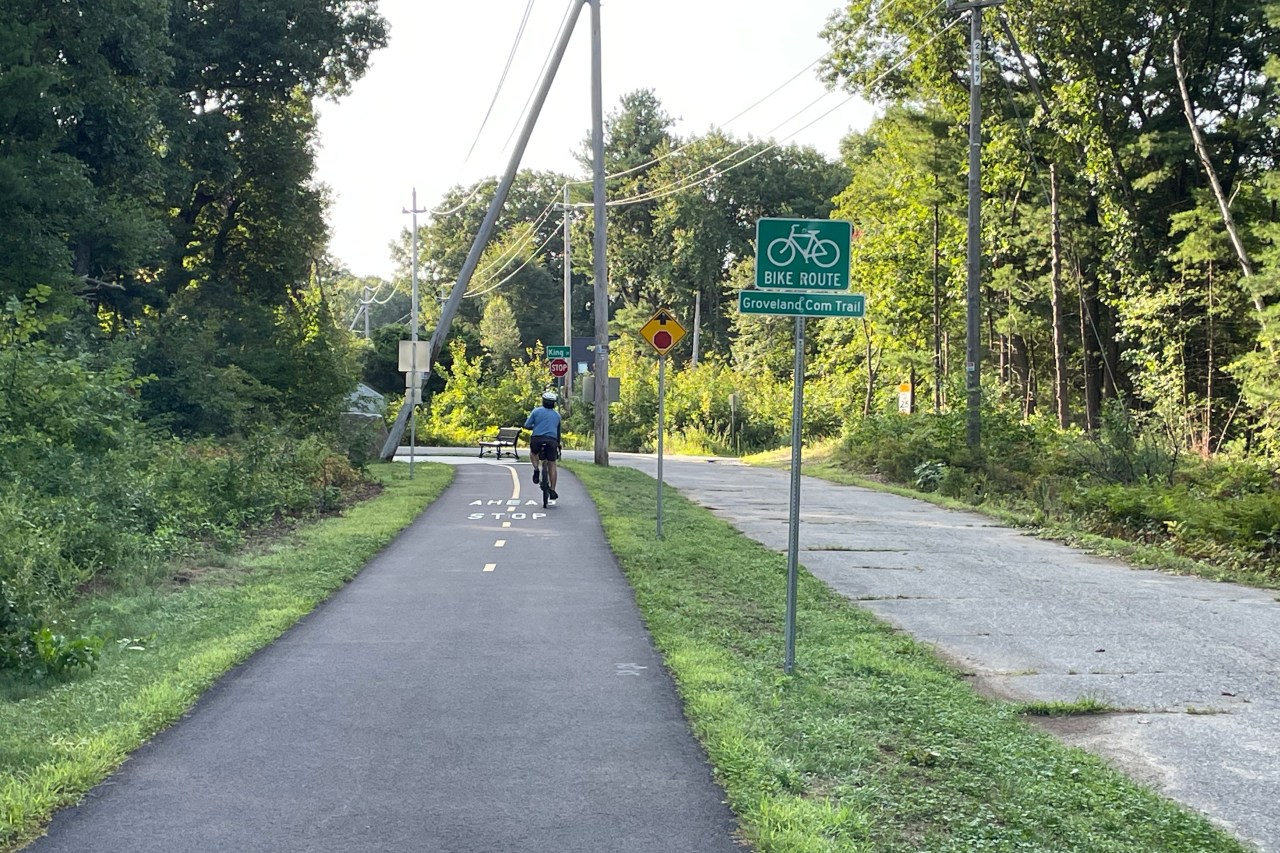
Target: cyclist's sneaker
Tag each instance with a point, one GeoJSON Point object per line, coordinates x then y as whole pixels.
{"type": "Point", "coordinates": [554, 496]}
{"type": "Point", "coordinates": [535, 475]}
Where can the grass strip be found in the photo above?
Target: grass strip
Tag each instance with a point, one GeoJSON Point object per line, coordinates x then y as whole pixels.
{"type": "Point", "coordinates": [874, 744]}
{"type": "Point", "coordinates": [166, 646]}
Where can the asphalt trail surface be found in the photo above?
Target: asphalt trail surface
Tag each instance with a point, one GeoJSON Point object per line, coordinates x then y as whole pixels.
{"type": "Point", "coordinates": [485, 684]}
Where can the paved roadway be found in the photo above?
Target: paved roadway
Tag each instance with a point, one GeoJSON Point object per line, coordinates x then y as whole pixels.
{"type": "Point", "coordinates": [1196, 663]}
{"type": "Point", "coordinates": [485, 684]}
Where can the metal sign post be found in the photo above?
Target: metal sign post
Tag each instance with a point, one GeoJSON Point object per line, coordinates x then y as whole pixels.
{"type": "Point", "coordinates": [663, 331]}
{"type": "Point", "coordinates": [802, 270]}
{"type": "Point", "coordinates": [793, 530]}
{"type": "Point", "coordinates": [662, 396]}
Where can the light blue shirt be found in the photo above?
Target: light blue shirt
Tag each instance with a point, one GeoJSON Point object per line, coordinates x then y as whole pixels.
{"type": "Point", "coordinates": [545, 422]}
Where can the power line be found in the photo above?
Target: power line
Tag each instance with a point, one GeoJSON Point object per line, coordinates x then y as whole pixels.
{"type": "Point", "coordinates": [512, 274]}
{"type": "Point", "coordinates": [545, 62]}
{"type": "Point", "coordinates": [511, 55]}
{"type": "Point", "coordinates": [660, 158]}
{"type": "Point", "coordinates": [684, 183]}
{"type": "Point", "coordinates": [778, 89]}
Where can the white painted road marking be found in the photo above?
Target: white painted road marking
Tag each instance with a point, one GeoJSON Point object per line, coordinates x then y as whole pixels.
{"type": "Point", "coordinates": [515, 482]}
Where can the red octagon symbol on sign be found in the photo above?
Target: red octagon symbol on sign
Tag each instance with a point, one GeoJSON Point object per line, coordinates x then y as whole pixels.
{"type": "Point", "coordinates": [662, 340]}
{"type": "Point", "coordinates": [559, 367]}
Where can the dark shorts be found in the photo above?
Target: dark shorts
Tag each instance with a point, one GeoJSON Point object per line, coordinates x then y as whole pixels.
{"type": "Point", "coordinates": [544, 447]}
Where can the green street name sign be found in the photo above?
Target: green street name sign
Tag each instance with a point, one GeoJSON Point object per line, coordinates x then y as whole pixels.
{"type": "Point", "coordinates": [802, 304]}
{"type": "Point", "coordinates": [802, 254]}
{"type": "Point", "coordinates": [557, 352]}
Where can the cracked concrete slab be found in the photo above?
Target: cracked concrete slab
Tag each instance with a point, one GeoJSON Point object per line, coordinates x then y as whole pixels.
{"type": "Point", "coordinates": [1194, 662]}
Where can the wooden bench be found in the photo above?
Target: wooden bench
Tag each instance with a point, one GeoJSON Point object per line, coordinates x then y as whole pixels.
{"type": "Point", "coordinates": [504, 444]}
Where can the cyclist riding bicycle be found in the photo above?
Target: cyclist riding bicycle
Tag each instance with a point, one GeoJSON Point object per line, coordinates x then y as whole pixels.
{"type": "Point", "coordinates": [544, 423]}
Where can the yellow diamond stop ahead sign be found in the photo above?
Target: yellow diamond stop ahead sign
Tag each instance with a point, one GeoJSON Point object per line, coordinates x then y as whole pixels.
{"type": "Point", "coordinates": [663, 331]}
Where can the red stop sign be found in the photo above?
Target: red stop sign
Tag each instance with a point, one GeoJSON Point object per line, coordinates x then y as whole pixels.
{"type": "Point", "coordinates": [662, 339]}
{"type": "Point", "coordinates": [559, 367]}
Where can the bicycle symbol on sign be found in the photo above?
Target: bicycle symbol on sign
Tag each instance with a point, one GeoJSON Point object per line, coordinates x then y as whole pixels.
{"type": "Point", "coordinates": [806, 243]}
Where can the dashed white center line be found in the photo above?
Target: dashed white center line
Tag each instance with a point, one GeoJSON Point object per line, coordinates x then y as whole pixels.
{"type": "Point", "coordinates": [488, 567]}
{"type": "Point", "coordinates": [506, 524]}
{"type": "Point", "coordinates": [501, 543]}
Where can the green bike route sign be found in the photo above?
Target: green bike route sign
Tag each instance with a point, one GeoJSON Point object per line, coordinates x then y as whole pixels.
{"type": "Point", "coordinates": [802, 254]}
{"type": "Point", "coordinates": [802, 304]}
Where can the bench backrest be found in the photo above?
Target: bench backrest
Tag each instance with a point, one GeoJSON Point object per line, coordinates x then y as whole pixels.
{"type": "Point", "coordinates": [508, 433]}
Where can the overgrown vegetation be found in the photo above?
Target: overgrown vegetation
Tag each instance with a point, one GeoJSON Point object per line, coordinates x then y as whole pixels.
{"type": "Point", "coordinates": [170, 373]}
{"type": "Point", "coordinates": [873, 744]}
{"type": "Point", "coordinates": [165, 635]}
{"type": "Point", "coordinates": [1129, 483]}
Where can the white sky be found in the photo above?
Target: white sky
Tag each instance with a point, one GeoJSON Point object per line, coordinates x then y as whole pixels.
{"type": "Point", "coordinates": [411, 120]}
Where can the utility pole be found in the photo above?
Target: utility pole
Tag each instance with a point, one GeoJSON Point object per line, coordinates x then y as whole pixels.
{"type": "Point", "coordinates": [568, 317]}
{"type": "Point", "coordinates": [450, 307]}
{"type": "Point", "coordinates": [697, 325]}
{"type": "Point", "coordinates": [413, 387]}
{"type": "Point", "coordinates": [973, 325]}
{"type": "Point", "coordinates": [601, 293]}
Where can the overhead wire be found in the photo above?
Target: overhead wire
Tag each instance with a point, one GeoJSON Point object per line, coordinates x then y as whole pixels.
{"type": "Point", "coordinates": [495, 285]}
{"type": "Point", "coordinates": [522, 241]}
{"type": "Point", "coordinates": [666, 155]}
{"type": "Point", "coordinates": [684, 183]}
{"type": "Point", "coordinates": [511, 55]}
{"type": "Point", "coordinates": [775, 91]}
{"type": "Point", "coordinates": [488, 287]}
{"type": "Point", "coordinates": [475, 190]}
{"type": "Point", "coordinates": [546, 62]}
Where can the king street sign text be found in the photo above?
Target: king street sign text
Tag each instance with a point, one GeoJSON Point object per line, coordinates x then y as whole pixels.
{"type": "Point", "coordinates": [802, 254]}
{"type": "Point", "coordinates": [802, 304]}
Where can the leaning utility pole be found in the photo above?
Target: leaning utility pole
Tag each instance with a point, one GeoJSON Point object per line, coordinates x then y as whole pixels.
{"type": "Point", "coordinates": [601, 293]}
{"type": "Point", "coordinates": [973, 325]}
{"type": "Point", "coordinates": [450, 307]}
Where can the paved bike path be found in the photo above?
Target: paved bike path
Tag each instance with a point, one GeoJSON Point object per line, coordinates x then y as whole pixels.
{"type": "Point", "coordinates": [485, 684]}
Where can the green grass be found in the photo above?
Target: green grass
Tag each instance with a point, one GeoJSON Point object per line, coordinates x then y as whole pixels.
{"type": "Point", "coordinates": [167, 645]}
{"type": "Point", "coordinates": [1060, 708]}
{"type": "Point", "coordinates": [873, 744]}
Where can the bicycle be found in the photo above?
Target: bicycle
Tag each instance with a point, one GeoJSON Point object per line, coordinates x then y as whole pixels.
{"type": "Point", "coordinates": [544, 475]}
{"type": "Point", "coordinates": [824, 253]}
{"type": "Point", "coordinates": [547, 454]}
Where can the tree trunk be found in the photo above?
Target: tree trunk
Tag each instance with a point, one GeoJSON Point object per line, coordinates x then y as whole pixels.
{"type": "Point", "coordinates": [937, 319]}
{"type": "Point", "coordinates": [868, 400]}
{"type": "Point", "coordinates": [1060, 381]}
{"type": "Point", "coordinates": [1090, 359]}
{"type": "Point", "coordinates": [1020, 371]}
{"type": "Point", "coordinates": [697, 326]}
{"type": "Point", "coordinates": [1207, 448]}
{"type": "Point", "coordinates": [1202, 151]}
